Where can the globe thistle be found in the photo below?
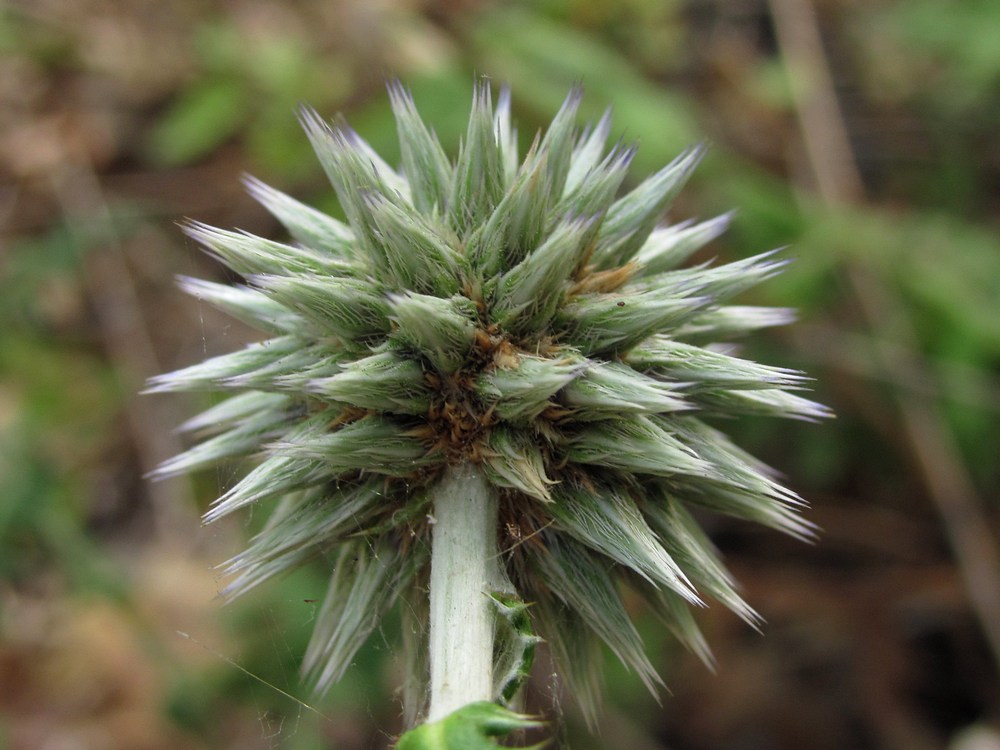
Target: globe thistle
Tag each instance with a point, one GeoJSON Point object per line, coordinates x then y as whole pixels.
{"type": "Point", "coordinates": [493, 383]}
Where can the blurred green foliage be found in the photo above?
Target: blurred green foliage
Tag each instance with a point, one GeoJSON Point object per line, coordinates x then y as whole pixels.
{"type": "Point", "coordinates": [234, 93]}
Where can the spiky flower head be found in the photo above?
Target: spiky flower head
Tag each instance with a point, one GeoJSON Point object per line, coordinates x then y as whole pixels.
{"type": "Point", "coordinates": [512, 314]}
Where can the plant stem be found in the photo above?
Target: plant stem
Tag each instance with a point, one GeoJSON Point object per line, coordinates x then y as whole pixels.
{"type": "Point", "coordinates": [463, 569]}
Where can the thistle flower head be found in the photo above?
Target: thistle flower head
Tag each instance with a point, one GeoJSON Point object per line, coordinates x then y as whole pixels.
{"type": "Point", "coordinates": [513, 313]}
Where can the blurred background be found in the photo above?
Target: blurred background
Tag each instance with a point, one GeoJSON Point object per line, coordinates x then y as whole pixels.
{"type": "Point", "coordinates": [862, 134]}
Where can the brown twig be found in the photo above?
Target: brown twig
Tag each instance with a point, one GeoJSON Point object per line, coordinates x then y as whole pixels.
{"type": "Point", "coordinates": [127, 341]}
{"type": "Point", "coordinates": [928, 438]}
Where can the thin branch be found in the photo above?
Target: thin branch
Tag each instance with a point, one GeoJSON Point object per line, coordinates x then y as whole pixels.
{"type": "Point", "coordinates": [929, 440]}
{"type": "Point", "coordinates": [127, 341]}
{"type": "Point", "coordinates": [821, 120]}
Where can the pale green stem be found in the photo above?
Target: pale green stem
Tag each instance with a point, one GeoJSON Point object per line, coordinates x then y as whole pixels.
{"type": "Point", "coordinates": [464, 568]}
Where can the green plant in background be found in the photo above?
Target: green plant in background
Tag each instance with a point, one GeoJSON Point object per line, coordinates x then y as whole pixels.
{"type": "Point", "coordinates": [483, 396]}
{"type": "Point", "coordinates": [248, 97]}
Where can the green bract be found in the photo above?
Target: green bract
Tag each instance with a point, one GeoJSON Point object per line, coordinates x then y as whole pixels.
{"type": "Point", "coordinates": [512, 314]}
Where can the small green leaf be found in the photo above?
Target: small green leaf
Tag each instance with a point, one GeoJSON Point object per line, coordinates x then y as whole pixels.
{"type": "Point", "coordinates": [248, 305]}
{"type": "Point", "coordinates": [588, 152]}
{"type": "Point", "coordinates": [216, 373]}
{"type": "Point", "coordinates": [608, 521]}
{"type": "Point", "coordinates": [242, 439]}
{"type": "Point", "coordinates": [637, 445]}
{"type": "Point", "coordinates": [472, 727]}
{"type": "Point", "coordinates": [229, 412]}
{"type": "Point", "coordinates": [528, 295]}
{"type": "Point", "coordinates": [442, 330]}
{"type": "Point", "coordinates": [733, 320]}
{"type": "Point", "coordinates": [374, 444]}
{"type": "Point", "coordinates": [609, 390]}
{"type": "Point", "coordinates": [632, 218]}
{"type": "Point", "coordinates": [585, 582]}
{"type": "Point", "coordinates": [513, 459]}
{"type": "Point", "coordinates": [385, 381]}
{"type": "Point", "coordinates": [348, 308]}
{"type": "Point", "coordinates": [668, 247]}
{"type": "Point", "coordinates": [522, 392]}
{"type": "Point", "coordinates": [424, 161]}
{"type": "Point", "coordinates": [707, 370]}
{"type": "Point", "coordinates": [247, 254]}
{"type": "Point", "coordinates": [479, 174]}
{"type": "Point", "coordinates": [200, 120]}
{"type": "Point", "coordinates": [305, 524]}
{"type": "Point", "coordinates": [575, 649]}
{"type": "Point", "coordinates": [515, 648]}
{"type": "Point", "coordinates": [312, 228]}
{"type": "Point", "coordinates": [367, 579]}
